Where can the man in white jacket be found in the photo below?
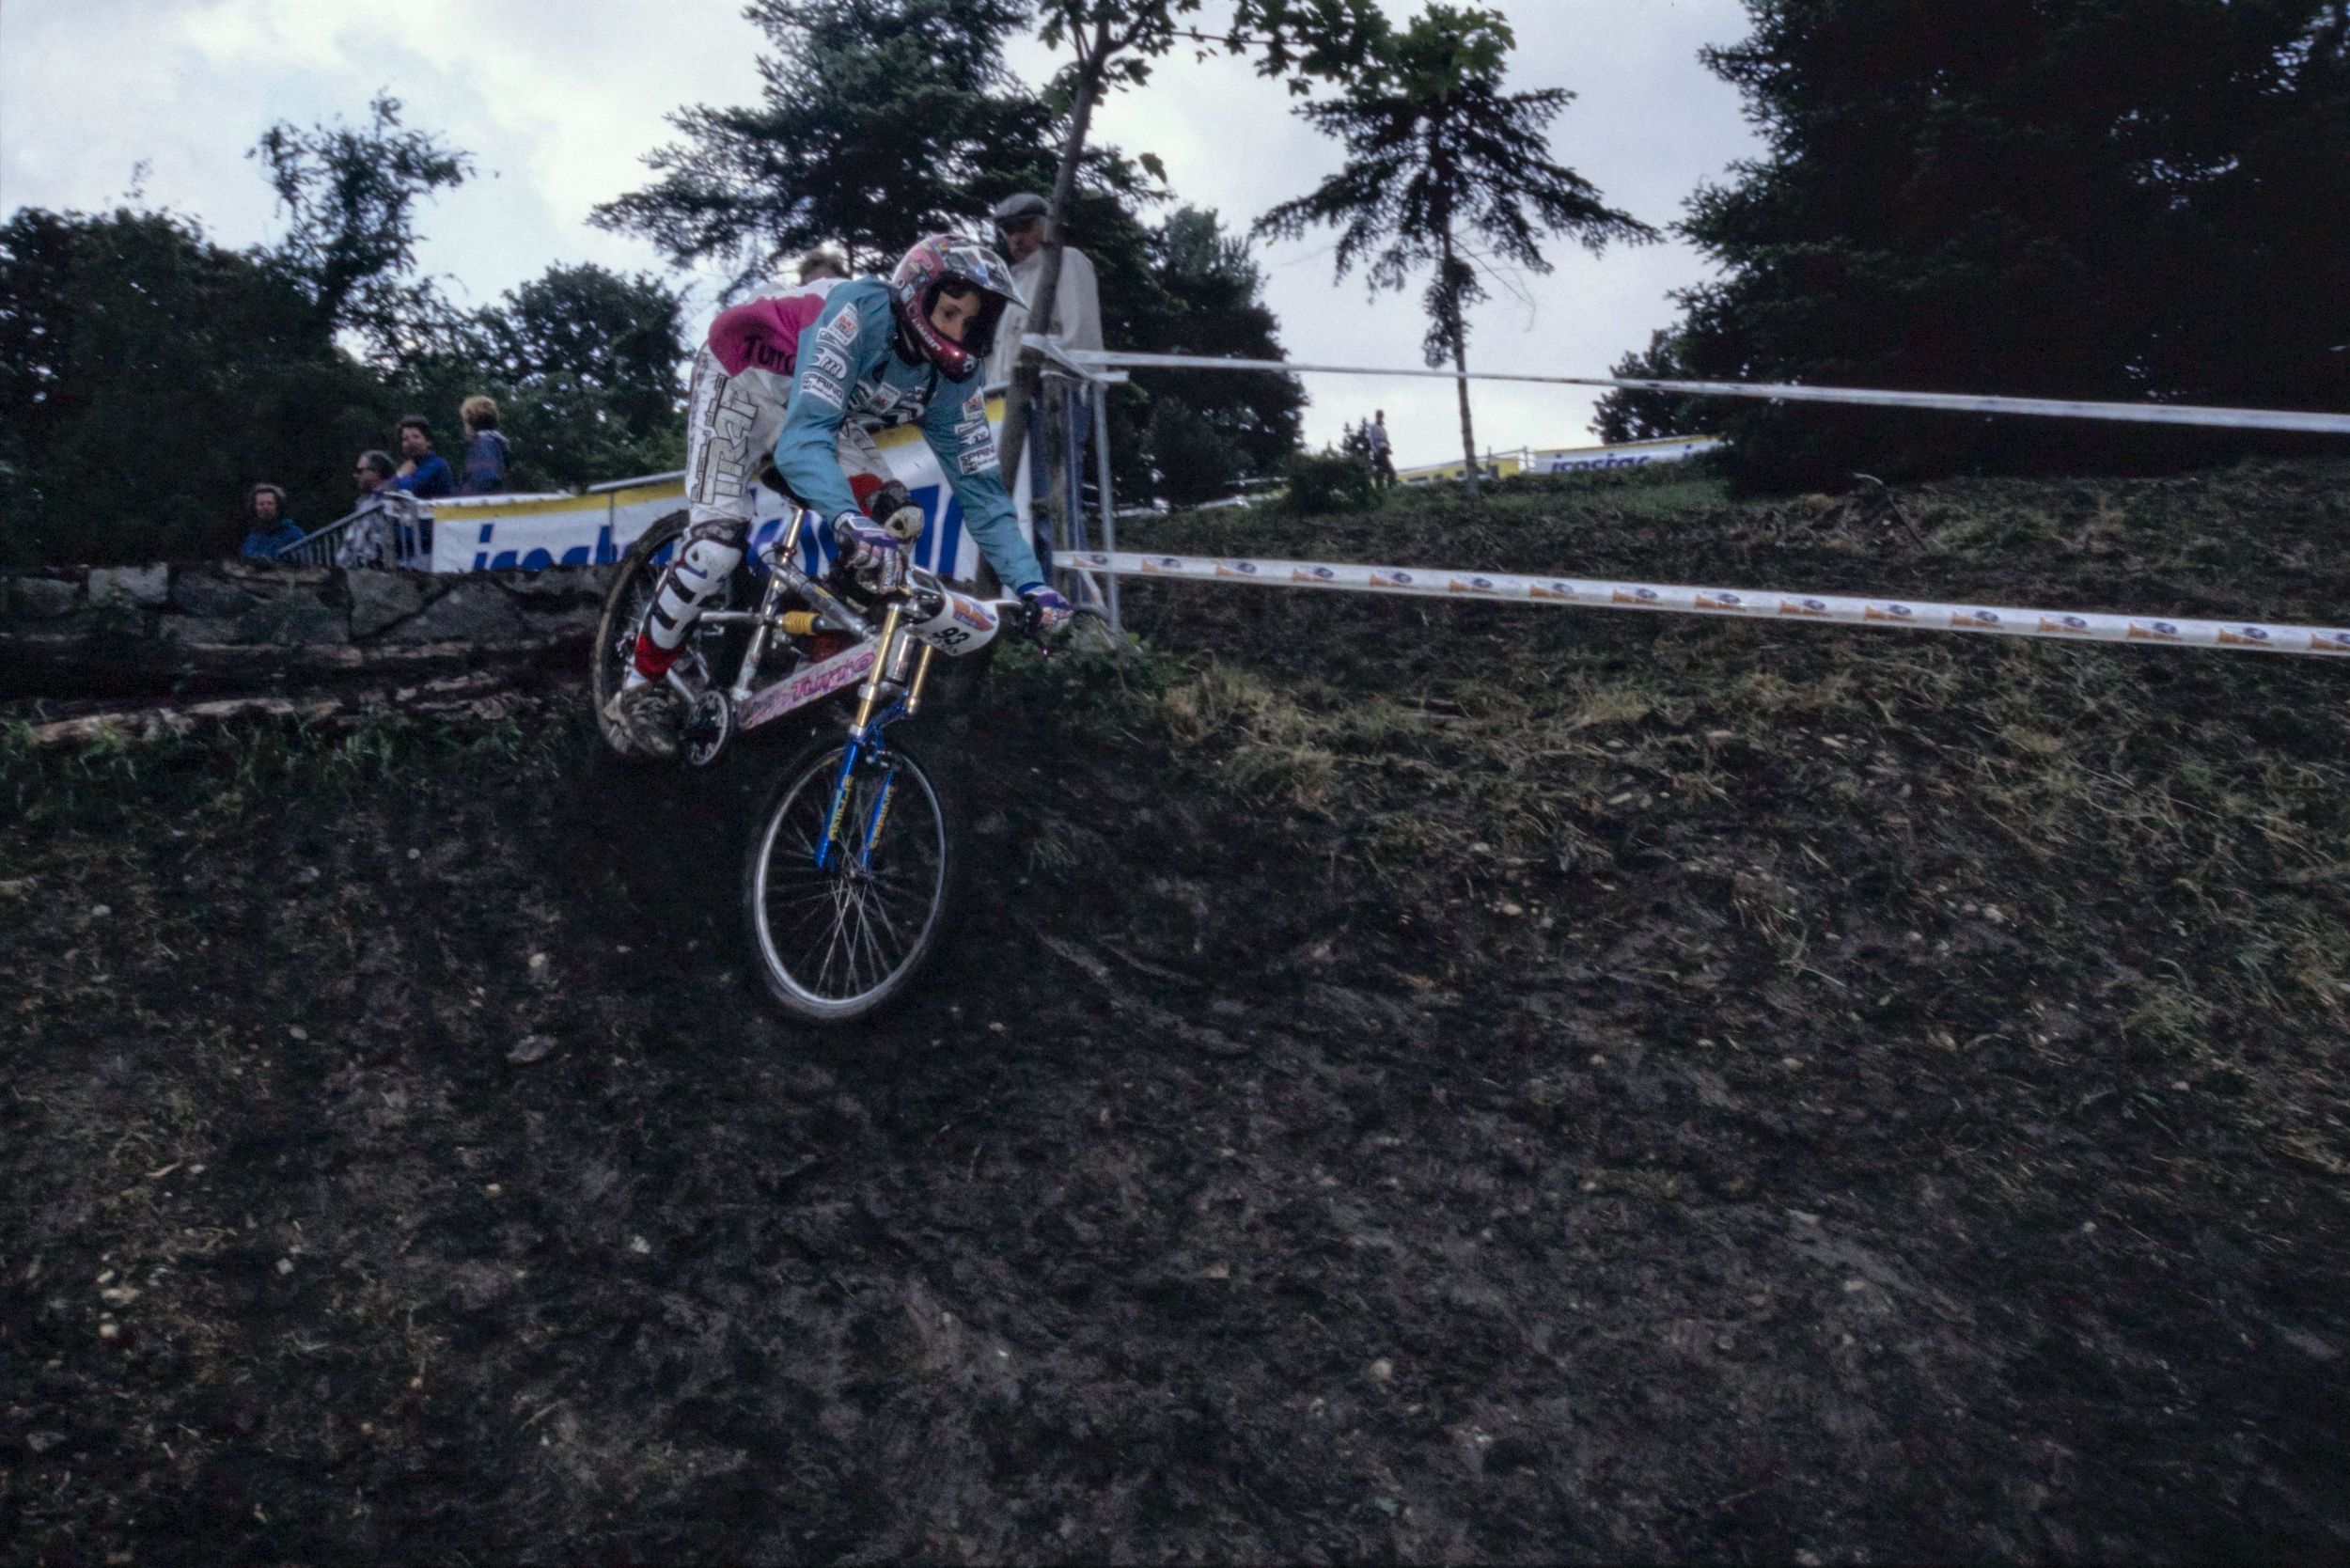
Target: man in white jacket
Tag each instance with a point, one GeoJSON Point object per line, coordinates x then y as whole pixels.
{"type": "Point", "coordinates": [1020, 224]}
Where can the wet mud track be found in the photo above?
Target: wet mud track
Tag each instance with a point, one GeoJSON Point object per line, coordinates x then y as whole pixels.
{"type": "Point", "coordinates": [408, 1174]}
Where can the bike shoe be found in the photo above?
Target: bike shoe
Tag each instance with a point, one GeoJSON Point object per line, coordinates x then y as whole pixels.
{"type": "Point", "coordinates": [647, 715]}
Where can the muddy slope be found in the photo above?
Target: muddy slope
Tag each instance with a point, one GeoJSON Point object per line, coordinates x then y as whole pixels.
{"type": "Point", "coordinates": [1429, 1084]}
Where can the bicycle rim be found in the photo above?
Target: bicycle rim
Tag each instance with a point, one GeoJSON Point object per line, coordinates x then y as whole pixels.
{"type": "Point", "coordinates": [835, 944]}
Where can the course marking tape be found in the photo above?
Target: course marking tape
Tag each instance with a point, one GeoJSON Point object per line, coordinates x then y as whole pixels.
{"type": "Point", "coordinates": [1909, 615]}
{"type": "Point", "coordinates": [1960, 402]}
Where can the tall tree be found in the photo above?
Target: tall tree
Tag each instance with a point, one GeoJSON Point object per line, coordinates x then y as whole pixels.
{"type": "Point", "coordinates": [1447, 171]}
{"type": "Point", "coordinates": [879, 121]}
{"type": "Point", "coordinates": [2097, 199]}
{"type": "Point", "coordinates": [350, 197]}
{"type": "Point", "coordinates": [1114, 43]}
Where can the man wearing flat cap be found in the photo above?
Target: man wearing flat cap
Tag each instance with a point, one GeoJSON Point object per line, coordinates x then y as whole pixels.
{"type": "Point", "coordinates": [1077, 309]}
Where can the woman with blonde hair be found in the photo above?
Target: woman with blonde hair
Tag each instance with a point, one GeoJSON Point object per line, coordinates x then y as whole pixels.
{"type": "Point", "coordinates": [485, 446]}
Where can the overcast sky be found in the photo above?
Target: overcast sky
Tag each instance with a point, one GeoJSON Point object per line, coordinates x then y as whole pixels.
{"type": "Point", "coordinates": [560, 101]}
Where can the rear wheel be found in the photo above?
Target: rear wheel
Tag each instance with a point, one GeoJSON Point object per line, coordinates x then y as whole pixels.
{"type": "Point", "coordinates": [624, 608]}
{"type": "Point", "coordinates": [837, 942]}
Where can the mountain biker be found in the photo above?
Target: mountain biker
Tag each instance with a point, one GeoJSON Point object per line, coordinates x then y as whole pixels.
{"type": "Point", "coordinates": [803, 374]}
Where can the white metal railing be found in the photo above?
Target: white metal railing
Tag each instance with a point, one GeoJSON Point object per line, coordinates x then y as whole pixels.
{"type": "Point", "coordinates": [390, 528]}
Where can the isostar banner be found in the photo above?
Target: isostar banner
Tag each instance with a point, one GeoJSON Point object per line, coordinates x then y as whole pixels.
{"type": "Point", "coordinates": [530, 533]}
{"type": "Point", "coordinates": [1631, 454]}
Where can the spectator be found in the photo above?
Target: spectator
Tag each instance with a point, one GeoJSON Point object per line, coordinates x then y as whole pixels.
{"type": "Point", "coordinates": [268, 529]}
{"type": "Point", "coordinates": [823, 261]}
{"type": "Point", "coordinates": [1077, 306]}
{"type": "Point", "coordinates": [1066, 407]}
{"type": "Point", "coordinates": [485, 446]}
{"type": "Point", "coordinates": [423, 473]}
{"type": "Point", "coordinates": [1375, 437]}
{"type": "Point", "coordinates": [374, 471]}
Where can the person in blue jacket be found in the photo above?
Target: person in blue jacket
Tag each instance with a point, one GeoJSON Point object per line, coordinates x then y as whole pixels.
{"type": "Point", "coordinates": [802, 376]}
{"type": "Point", "coordinates": [268, 529]}
{"type": "Point", "coordinates": [423, 472]}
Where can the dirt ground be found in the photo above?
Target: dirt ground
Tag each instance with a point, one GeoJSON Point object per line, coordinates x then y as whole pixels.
{"type": "Point", "coordinates": [1426, 1083]}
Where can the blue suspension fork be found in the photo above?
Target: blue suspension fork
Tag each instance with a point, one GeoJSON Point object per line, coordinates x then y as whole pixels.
{"type": "Point", "coordinates": [864, 741]}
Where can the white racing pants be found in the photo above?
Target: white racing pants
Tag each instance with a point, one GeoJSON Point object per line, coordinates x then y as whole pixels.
{"type": "Point", "coordinates": [731, 425]}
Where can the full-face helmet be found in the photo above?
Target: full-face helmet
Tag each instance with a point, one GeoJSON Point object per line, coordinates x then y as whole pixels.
{"type": "Point", "coordinates": [933, 264]}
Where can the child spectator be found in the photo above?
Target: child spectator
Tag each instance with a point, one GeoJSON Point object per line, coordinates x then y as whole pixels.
{"type": "Point", "coordinates": [485, 446]}
{"type": "Point", "coordinates": [268, 529]}
{"type": "Point", "coordinates": [423, 473]}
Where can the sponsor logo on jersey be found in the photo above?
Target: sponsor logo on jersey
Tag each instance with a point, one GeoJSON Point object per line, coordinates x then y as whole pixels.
{"type": "Point", "coordinates": [1967, 620]}
{"type": "Point", "coordinates": [1815, 607]}
{"type": "Point", "coordinates": [814, 384]}
{"type": "Point", "coordinates": [841, 332]}
{"type": "Point", "coordinates": [877, 395]}
{"type": "Point", "coordinates": [1393, 579]}
{"type": "Point", "coordinates": [976, 461]}
{"type": "Point", "coordinates": [1898, 614]}
{"type": "Point", "coordinates": [974, 406]}
{"type": "Point", "coordinates": [2153, 631]}
{"type": "Point", "coordinates": [2245, 637]}
{"type": "Point", "coordinates": [833, 363]}
{"type": "Point", "coordinates": [2064, 626]}
{"type": "Point", "coordinates": [1636, 596]}
{"type": "Point", "coordinates": [1719, 600]}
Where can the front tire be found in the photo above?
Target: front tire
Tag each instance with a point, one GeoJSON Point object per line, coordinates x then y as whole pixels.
{"type": "Point", "coordinates": [834, 945]}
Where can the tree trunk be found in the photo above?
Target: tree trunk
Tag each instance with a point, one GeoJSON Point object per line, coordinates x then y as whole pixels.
{"type": "Point", "coordinates": [1029, 369]}
{"type": "Point", "coordinates": [1468, 435]}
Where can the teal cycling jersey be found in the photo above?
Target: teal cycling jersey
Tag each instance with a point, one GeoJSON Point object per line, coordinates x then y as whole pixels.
{"type": "Point", "coordinates": [848, 366]}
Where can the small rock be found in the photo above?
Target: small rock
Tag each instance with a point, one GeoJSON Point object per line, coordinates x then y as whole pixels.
{"type": "Point", "coordinates": [1217, 1271]}
{"type": "Point", "coordinates": [284, 1265]}
{"type": "Point", "coordinates": [307, 873]}
{"type": "Point", "coordinates": [109, 1331]}
{"type": "Point", "coordinates": [640, 1245]}
{"type": "Point", "coordinates": [100, 911]}
{"type": "Point", "coordinates": [415, 855]}
{"type": "Point", "coordinates": [1853, 1287]}
{"type": "Point", "coordinates": [1383, 1369]}
{"type": "Point", "coordinates": [539, 963]}
{"type": "Point", "coordinates": [298, 1032]}
{"type": "Point", "coordinates": [994, 1027]}
{"type": "Point", "coordinates": [42, 1442]}
{"type": "Point", "coordinates": [531, 1048]}
{"type": "Point", "coordinates": [119, 1295]}
{"type": "Point", "coordinates": [1513, 910]}
{"type": "Point", "coordinates": [493, 1190]}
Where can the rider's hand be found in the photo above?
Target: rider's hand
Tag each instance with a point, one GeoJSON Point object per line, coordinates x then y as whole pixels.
{"type": "Point", "coordinates": [870, 553]}
{"type": "Point", "coordinates": [1048, 612]}
{"type": "Point", "coordinates": [893, 508]}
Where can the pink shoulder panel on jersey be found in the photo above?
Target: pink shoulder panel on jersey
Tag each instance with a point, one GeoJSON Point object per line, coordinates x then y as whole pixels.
{"type": "Point", "coordinates": [764, 334]}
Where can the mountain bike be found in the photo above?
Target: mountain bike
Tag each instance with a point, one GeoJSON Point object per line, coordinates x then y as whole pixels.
{"type": "Point", "coordinates": [855, 859]}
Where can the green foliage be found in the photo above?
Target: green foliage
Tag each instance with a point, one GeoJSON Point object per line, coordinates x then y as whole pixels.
{"type": "Point", "coordinates": [880, 122]}
{"type": "Point", "coordinates": [1445, 170]}
{"type": "Point", "coordinates": [1327, 484]}
{"type": "Point", "coordinates": [350, 197]}
{"type": "Point", "coordinates": [1625, 415]}
{"type": "Point", "coordinates": [147, 376]}
{"type": "Point", "coordinates": [1193, 462]}
{"type": "Point", "coordinates": [2129, 199]}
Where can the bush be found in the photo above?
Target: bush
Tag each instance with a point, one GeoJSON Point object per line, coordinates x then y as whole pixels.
{"type": "Point", "coordinates": [1321, 484]}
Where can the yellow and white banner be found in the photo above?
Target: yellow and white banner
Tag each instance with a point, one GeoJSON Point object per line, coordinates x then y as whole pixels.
{"type": "Point", "coordinates": [530, 533]}
{"type": "Point", "coordinates": [1738, 603]}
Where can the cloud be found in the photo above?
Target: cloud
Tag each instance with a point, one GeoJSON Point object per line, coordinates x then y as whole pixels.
{"type": "Point", "coordinates": [558, 103]}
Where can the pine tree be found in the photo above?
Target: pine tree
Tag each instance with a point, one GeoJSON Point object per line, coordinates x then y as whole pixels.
{"type": "Point", "coordinates": [2096, 198]}
{"type": "Point", "coordinates": [1448, 172]}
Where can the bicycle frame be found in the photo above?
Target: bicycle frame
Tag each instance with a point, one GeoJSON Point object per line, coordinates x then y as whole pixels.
{"type": "Point", "coordinates": [884, 660]}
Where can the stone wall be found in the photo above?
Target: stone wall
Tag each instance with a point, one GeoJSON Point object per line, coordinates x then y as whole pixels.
{"type": "Point", "coordinates": [222, 606]}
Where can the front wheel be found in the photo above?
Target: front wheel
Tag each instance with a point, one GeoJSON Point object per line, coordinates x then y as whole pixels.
{"type": "Point", "coordinates": [835, 943]}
